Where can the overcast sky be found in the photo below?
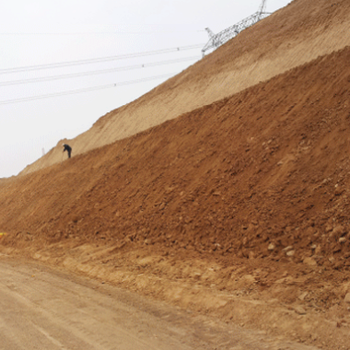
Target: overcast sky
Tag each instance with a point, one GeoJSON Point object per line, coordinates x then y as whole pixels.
{"type": "Point", "coordinates": [138, 44]}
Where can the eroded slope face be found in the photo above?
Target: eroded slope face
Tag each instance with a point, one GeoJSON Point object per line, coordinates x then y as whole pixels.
{"type": "Point", "coordinates": [247, 195]}
{"type": "Point", "coordinates": [297, 34]}
{"type": "Point", "coordinates": [266, 166]}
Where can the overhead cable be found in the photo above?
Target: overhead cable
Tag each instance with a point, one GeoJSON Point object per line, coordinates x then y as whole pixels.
{"type": "Point", "coordinates": [119, 32]}
{"type": "Point", "coordinates": [77, 91]}
{"type": "Point", "coordinates": [97, 60]}
{"type": "Point", "coordinates": [96, 72]}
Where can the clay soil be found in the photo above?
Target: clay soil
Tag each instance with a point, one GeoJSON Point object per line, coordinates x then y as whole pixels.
{"type": "Point", "coordinates": [239, 209]}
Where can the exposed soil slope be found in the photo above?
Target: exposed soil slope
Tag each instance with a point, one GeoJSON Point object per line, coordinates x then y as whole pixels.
{"type": "Point", "coordinates": [246, 198]}
{"type": "Point", "coordinates": [297, 34]}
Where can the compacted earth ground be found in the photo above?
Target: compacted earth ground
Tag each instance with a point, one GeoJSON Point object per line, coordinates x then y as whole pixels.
{"type": "Point", "coordinates": [49, 309]}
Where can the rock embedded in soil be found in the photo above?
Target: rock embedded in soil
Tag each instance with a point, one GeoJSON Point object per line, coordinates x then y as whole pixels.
{"type": "Point", "coordinates": [347, 298]}
{"type": "Point", "coordinates": [299, 310]}
{"type": "Point", "coordinates": [310, 261]}
{"type": "Point", "coordinates": [271, 247]}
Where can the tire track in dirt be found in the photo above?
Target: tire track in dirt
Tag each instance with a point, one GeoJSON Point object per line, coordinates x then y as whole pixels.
{"type": "Point", "coordinates": [39, 309]}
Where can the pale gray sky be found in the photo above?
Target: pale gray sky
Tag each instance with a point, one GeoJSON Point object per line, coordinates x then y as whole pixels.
{"type": "Point", "coordinates": [40, 32]}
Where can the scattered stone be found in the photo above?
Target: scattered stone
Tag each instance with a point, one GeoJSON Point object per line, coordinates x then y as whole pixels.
{"type": "Point", "coordinates": [285, 280]}
{"type": "Point", "coordinates": [338, 230]}
{"type": "Point", "coordinates": [347, 298]}
{"type": "Point", "coordinates": [252, 255]}
{"type": "Point", "coordinates": [286, 249]}
{"type": "Point", "coordinates": [169, 190]}
{"type": "Point", "coordinates": [342, 240]}
{"type": "Point", "coordinates": [290, 253]}
{"type": "Point", "coordinates": [314, 337]}
{"type": "Point", "coordinates": [249, 279]}
{"type": "Point", "coordinates": [310, 261]}
{"type": "Point", "coordinates": [299, 310]}
{"type": "Point", "coordinates": [251, 227]}
{"type": "Point", "coordinates": [318, 250]}
{"type": "Point", "coordinates": [310, 231]}
{"type": "Point", "coordinates": [303, 296]}
{"type": "Point", "coordinates": [338, 190]}
{"type": "Point", "coordinates": [336, 248]}
{"type": "Point", "coordinates": [329, 227]}
{"type": "Point", "coordinates": [271, 246]}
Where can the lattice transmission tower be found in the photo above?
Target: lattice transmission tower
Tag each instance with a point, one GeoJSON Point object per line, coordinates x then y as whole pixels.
{"type": "Point", "coordinates": [216, 40]}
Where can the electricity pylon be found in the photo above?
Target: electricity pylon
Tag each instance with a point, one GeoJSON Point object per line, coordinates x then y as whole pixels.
{"type": "Point", "coordinates": [216, 40]}
{"type": "Point", "coordinates": [262, 7]}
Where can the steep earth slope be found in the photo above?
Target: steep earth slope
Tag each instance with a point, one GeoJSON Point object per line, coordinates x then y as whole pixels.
{"type": "Point", "coordinates": [297, 34]}
{"type": "Point", "coordinates": [238, 209]}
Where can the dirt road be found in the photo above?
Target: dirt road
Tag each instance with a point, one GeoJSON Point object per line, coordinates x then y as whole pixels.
{"type": "Point", "coordinates": [45, 309]}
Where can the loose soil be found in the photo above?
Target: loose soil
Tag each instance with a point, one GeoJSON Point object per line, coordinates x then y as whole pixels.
{"type": "Point", "coordinates": [238, 209]}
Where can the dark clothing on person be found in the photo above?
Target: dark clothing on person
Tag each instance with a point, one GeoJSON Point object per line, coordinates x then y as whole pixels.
{"type": "Point", "coordinates": [68, 149]}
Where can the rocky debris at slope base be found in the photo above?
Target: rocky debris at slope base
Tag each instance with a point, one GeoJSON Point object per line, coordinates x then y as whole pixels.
{"type": "Point", "coordinates": [285, 300]}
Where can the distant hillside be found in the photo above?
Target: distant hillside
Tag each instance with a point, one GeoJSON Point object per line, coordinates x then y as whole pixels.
{"type": "Point", "coordinates": [296, 34]}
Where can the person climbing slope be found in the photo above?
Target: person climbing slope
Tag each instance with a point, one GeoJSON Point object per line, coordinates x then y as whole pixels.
{"type": "Point", "coordinates": [68, 149]}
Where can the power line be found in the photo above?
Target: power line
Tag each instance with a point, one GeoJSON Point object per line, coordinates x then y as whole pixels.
{"type": "Point", "coordinates": [97, 60]}
{"type": "Point", "coordinates": [119, 32]}
{"type": "Point", "coordinates": [77, 91]}
{"type": "Point", "coordinates": [96, 72]}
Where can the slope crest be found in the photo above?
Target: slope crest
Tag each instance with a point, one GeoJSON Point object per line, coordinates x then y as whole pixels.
{"type": "Point", "coordinates": [293, 36]}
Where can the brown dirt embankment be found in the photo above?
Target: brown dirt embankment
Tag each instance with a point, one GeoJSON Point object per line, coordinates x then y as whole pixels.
{"type": "Point", "coordinates": [239, 208]}
{"type": "Point", "coordinates": [295, 35]}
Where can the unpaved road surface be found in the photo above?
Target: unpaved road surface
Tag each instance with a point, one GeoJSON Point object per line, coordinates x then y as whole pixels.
{"type": "Point", "coordinates": [45, 309]}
